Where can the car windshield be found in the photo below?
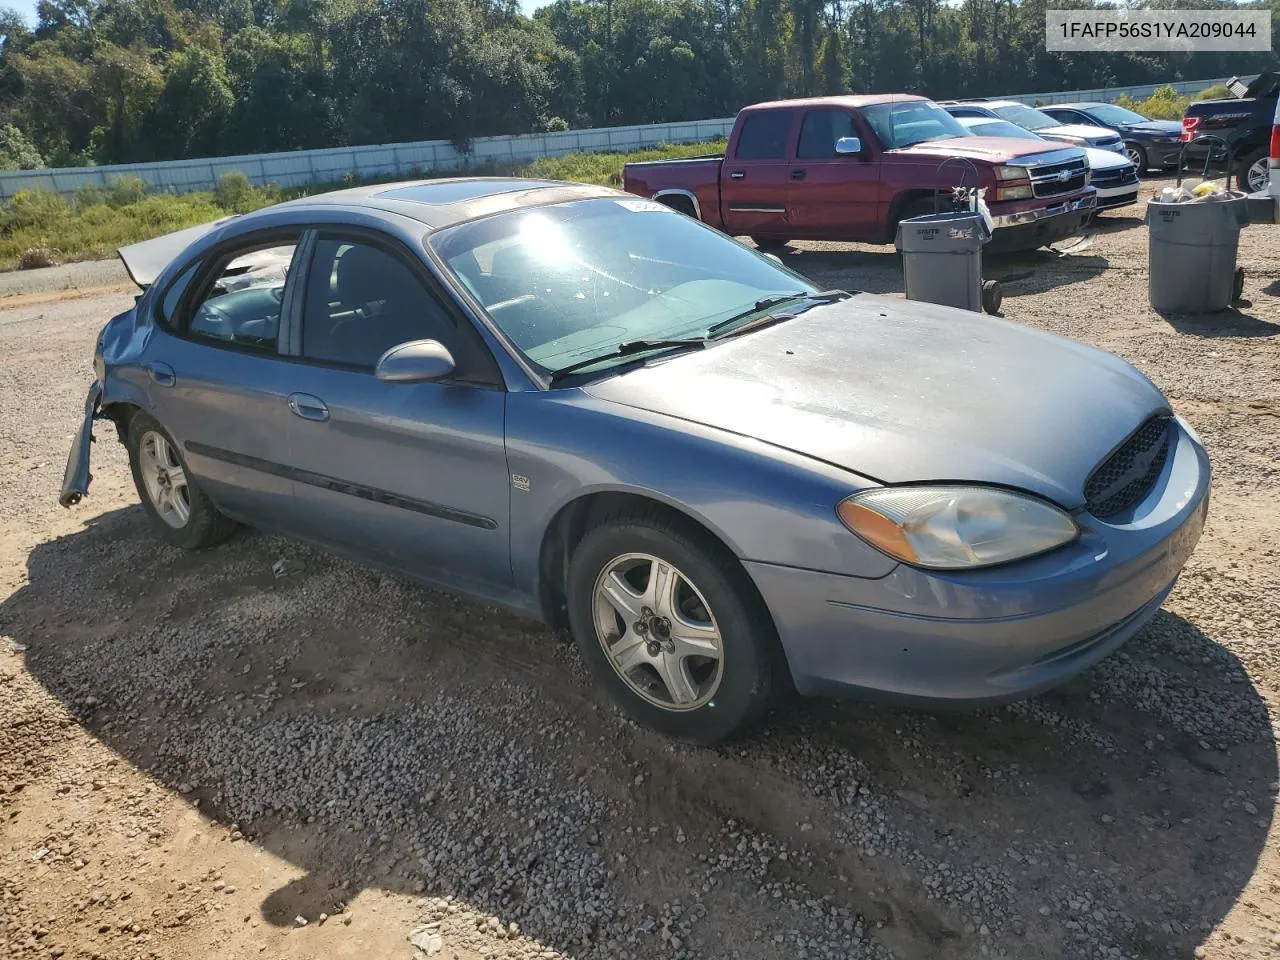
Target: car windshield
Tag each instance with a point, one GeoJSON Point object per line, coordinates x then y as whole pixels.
{"type": "Point", "coordinates": [1000, 128]}
{"type": "Point", "coordinates": [577, 280]}
{"type": "Point", "coordinates": [911, 121]}
{"type": "Point", "coordinates": [1107, 113]}
{"type": "Point", "coordinates": [1025, 116]}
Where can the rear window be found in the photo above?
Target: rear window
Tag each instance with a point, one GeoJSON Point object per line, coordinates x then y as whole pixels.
{"type": "Point", "coordinates": [764, 135]}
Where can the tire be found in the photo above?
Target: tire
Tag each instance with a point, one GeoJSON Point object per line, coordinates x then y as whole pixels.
{"type": "Point", "coordinates": [181, 515]}
{"type": "Point", "coordinates": [680, 204]}
{"type": "Point", "coordinates": [714, 597]}
{"type": "Point", "coordinates": [1137, 156]}
{"type": "Point", "coordinates": [992, 296]}
{"type": "Point", "coordinates": [920, 207]}
{"type": "Point", "coordinates": [1254, 164]}
{"type": "Point", "coordinates": [769, 243]}
{"type": "Point", "coordinates": [1237, 285]}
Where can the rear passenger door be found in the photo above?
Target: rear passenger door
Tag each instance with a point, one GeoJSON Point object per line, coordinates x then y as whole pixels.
{"type": "Point", "coordinates": [755, 176]}
{"type": "Point", "coordinates": [216, 373]}
{"type": "Point", "coordinates": [411, 474]}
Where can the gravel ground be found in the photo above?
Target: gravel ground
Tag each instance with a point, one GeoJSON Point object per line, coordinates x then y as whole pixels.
{"type": "Point", "coordinates": [200, 758]}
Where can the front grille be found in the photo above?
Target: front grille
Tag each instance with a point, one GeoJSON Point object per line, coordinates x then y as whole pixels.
{"type": "Point", "coordinates": [1125, 176]}
{"type": "Point", "coordinates": [1055, 179]}
{"type": "Point", "coordinates": [1126, 477]}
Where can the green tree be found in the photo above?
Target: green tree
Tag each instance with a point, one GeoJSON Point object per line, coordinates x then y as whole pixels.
{"type": "Point", "coordinates": [16, 151]}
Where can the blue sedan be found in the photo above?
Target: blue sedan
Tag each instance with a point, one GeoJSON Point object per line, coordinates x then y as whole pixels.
{"type": "Point", "coordinates": [586, 407]}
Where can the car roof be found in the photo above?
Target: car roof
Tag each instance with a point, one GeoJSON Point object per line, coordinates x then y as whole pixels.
{"type": "Point", "coordinates": [849, 101]}
{"type": "Point", "coordinates": [1082, 105]}
{"type": "Point", "coordinates": [437, 204]}
{"type": "Point", "coordinates": [433, 204]}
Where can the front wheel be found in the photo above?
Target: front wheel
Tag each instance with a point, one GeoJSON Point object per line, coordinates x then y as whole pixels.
{"type": "Point", "coordinates": [672, 627]}
{"type": "Point", "coordinates": [1137, 156]}
{"type": "Point", "coordinates": [179, 511]}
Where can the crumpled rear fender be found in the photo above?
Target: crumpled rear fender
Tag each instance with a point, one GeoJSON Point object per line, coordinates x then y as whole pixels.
{"type": "Point", "coordinates": [122, 342]}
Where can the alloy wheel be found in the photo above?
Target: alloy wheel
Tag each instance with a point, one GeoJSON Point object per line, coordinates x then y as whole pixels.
{"type": "Point", "coordinates": [658, 632]}
{"type": "Point", "coordinates": [165, 479]}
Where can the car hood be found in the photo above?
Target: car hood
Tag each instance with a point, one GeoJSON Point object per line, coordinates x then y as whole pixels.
{"type": "Point", "coordinates": [1081, 130]}
{"type": "Point", "coordinates": [1159, 128]}
{"type": "Point", "coordinates": [902, 392]}
{"type": "Point", "coordinates": [996, 149]}
{"type": "Point", "coordinates": [1106, 159]}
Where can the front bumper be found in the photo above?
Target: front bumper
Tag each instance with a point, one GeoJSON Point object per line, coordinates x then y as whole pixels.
{"type": "Point", "coordinates": [1029, 229]}
{"type": "Point", "coordinates": [988, 636]}
{"type": "Point", "coordinates": [1111, 197]}
{"type": "Point", "coordinates": [76, 477]}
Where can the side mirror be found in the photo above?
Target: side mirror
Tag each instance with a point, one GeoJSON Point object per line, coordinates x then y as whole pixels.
{"type": "Point", "coordinates": [417, 361]}
{"type": "Point", "coordinates": [846, 146]}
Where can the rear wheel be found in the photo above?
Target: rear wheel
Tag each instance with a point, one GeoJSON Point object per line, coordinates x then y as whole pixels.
{"type": "Point", "coordinates": [672, 627]}
{"type": "Point", "coordinates": [923, 207]}
{"type": "Point", "coordinates": [1252, 173]}
{"type": "Point", "coordinates": [679, 203]}
{"type": "Point", "coordinates": [179, 511]}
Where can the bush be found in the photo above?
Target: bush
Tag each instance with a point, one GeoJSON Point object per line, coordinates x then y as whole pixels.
{"type": "Point", "coordinates": [33, 258]}
{"type": "Point", "coordinates": [1216, 92]}
{"type": "Point", "coordinates": [122, 191]}
{"type": "Point", "coordinates": [557, 125]}
{"type": "Point", "coordinates": [234, 192]}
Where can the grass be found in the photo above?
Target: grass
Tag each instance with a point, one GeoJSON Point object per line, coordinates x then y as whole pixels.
{"type": "Point", "coordinates": [39, 228]}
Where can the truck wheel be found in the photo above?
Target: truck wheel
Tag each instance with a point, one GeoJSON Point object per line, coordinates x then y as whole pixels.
{"type": "Point", "coordinates": [923, 207]}
{"type": "Point", "coordinates": [1252, 173]}
{"type": "Point", "coordinates": [992, 296]}
{"type": "Point", "coordinates": [769, 243]}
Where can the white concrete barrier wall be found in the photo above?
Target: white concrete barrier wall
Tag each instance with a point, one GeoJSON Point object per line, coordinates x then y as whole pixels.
{"type": "Point", "coordinates": [301, 167]}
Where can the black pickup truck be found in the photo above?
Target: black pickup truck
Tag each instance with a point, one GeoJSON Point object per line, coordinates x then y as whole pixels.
{"type": "Point", "coordinates": [1244, 122]}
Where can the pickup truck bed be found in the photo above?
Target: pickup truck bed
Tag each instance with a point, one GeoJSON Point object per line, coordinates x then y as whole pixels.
{"type": "Point", "coordinates": [1244, 123]}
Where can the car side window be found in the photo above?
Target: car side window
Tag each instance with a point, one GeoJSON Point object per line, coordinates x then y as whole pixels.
{"type": "Point", "coordinates": [361, 301]}
{"type": "Point", "coordinates": [820, 131]}
{"type": "Point", "coordinates": [167, 310]}
{"type": "Point", "coordinates": [965, 112]}
{"type": "Point", "coordinates": [764, 135]}
{"type": "Point", "coordinates": [243, 303]}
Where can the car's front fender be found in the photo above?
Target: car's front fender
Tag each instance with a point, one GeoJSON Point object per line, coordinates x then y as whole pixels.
{"type": "Point", "coordinates": [764, 503]}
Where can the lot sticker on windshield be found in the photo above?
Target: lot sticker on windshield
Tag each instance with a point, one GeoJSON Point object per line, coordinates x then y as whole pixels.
{"type": "Point", "coordinates": [644, 206]}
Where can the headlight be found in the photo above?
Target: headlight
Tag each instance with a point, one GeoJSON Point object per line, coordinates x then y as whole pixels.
{"type": "Point", "coordinates": [955, 527]}
{"type": "Point", "coordinates": [1011, 173]}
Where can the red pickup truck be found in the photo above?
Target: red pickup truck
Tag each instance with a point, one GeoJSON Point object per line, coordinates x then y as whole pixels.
{"type": "Point", "coordinates": [850, 168]}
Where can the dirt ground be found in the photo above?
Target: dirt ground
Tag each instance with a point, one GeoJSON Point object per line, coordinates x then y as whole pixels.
{"type": "Point", "coordinates": [199, 758]}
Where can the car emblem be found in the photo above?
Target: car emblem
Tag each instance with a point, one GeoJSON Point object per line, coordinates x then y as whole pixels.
{"type": "Point", "coordinates": [1063, 176]}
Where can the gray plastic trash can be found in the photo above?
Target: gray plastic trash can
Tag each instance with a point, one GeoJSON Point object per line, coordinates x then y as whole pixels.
{"type": "Point", "coordinates": [1192, 253]}
{"type": "Point", "coordinates": [942, 260]}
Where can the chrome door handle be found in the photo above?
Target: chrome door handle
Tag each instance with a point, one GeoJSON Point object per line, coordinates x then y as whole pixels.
{"type": "Point", "coordinates": [737, 175]}
{"type": "Point", "coordinates": [308, 407]}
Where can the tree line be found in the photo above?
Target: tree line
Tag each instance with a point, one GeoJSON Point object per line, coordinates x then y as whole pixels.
{"type": "Point", "coordinates": [119, 81]}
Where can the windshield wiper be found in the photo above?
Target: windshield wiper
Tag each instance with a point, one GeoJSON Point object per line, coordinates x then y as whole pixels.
{"type": "Point", "coordinates": [627, 349]}
{"type": "Point", "coordinates": [764, 303]}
